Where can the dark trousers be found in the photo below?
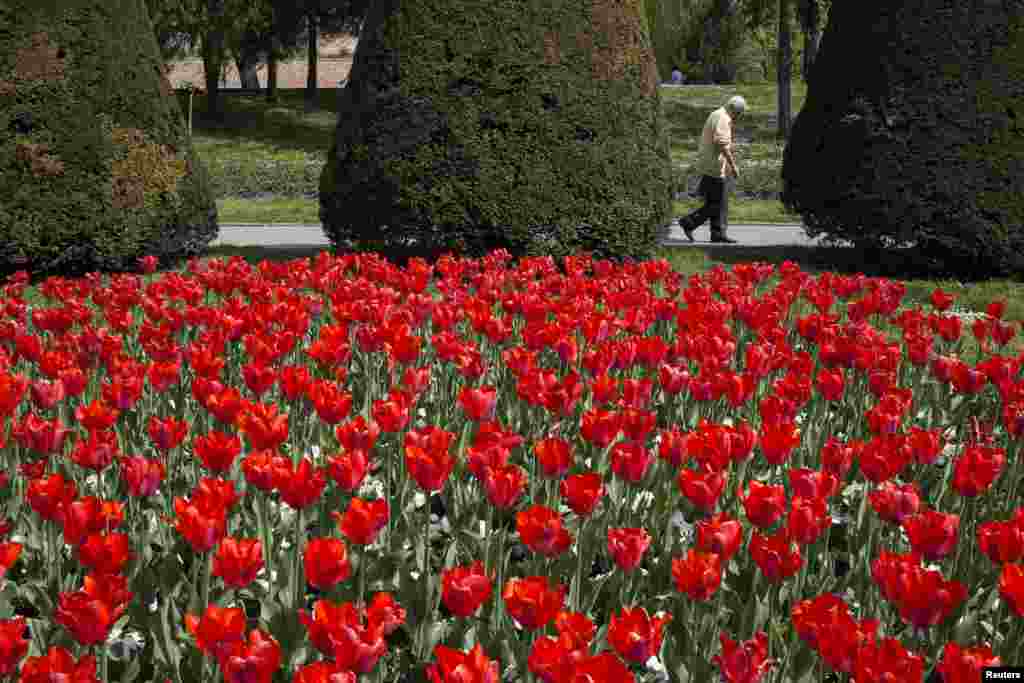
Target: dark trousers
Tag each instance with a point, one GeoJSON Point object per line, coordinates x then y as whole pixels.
{"type": "Point", "coordinates": [716, 207]}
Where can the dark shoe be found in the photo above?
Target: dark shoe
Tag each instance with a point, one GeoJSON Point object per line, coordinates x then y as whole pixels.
{"type": "Point", "coordinates": [721, 239]}
{"type": "Point", "coordinates": [687, 230]}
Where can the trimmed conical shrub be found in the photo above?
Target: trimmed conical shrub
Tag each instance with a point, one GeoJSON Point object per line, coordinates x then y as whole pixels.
{"type": "Point", "coordinates": [533, 125]}
{"type": "Point", "coordinates": [96, 166]}
{"type": "Point", "coordinates": [912, 132]}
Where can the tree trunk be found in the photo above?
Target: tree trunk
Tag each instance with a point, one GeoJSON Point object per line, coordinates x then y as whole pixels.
{"type": "Point", "coordinates": [809, 16]}
{"type": "Point", "coordinates": [311, 70]}
{"type": "Point", "coordinates": [213, 51]}
{"type": "Point", "coordinates": [272, 72]}
{"type": "Point", "coordinates": [248, 64]}
{"type": "Point", "coordinates": [785, 70]}
{"type": "Point", "coordinates": [719, 67]}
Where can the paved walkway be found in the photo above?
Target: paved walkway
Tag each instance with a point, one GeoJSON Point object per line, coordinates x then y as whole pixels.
{"type": "Point", "coordinates": [296, 236]}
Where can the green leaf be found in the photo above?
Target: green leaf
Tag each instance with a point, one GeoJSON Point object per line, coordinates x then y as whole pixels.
{"type": "Point", "coordinates": [132, 672]}
{"type": "Point", "coordinates": [170, 641]}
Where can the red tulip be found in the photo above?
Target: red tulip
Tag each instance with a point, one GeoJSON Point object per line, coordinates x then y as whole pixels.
{"type": "Point", "coordinates": [600, 427]}
{"type": "Point", "coordinates": [941, 300]}
{"type": "Point", "coordinates": [362, 520]}
{"type": "Point", "coordinates": [532, 601]}
{"type": "Point", "coordinates": [1011, 587]}
{"type": "Point", "coordinates": [830, 384]}
{"type": "Point", "coordinates": [392, 413]}
{"type": "Point", "coordinates": [45, 437]}
{"type": "Point", "coordinates": [672, 448]}
{"type": "Point", "coordinates": [702, 488]}
{"type": "Point", "coordinates": [88, 619]}
{"type": "Point", "coordinates": [357, 434]}
{"type": "Point", "coordinates": [96, 415]}
{"type": "Point", "coordinates": [764, 504]}
{"type": "Point", "coordinates": [1002, 542]}
{"type": "Point", "coordinates": [721, 535]}
{"type": "Point", "coordinates": [932, 533]}
{"type": "Point", "coordinates": [348, 469]}
{"type": "Point", "coordinates": [807, 520]}
{"type": "Point", "coordinates": [263, 426]}
{"type": "Point", "coordinates": [887, 661]}
{"type": "Point", "coordinates": [89, 515]}
{"type": "Point", "coordinates": [455, 666]}
{"type": "Point", "coordinates": [293, 380]}
{"type": "Point", "coordinates": [96, 451]}
{"type": "Point", "coordinates": [323, 672]}
{"type": "Point", "coordinates": [745, 662]}
{"type": "Point", "coordinates": [238, 561]}
{"type": "Point", "coordinates": [166, 433]}
{"type": "Point", "coordinates": [254, 661]}
{"type": "Point", "coordinates": [59, 665]}
{"type": "Point", "coordinates": [302, 486]}
{"type": "Point", "coordinates": [12, 390]}
{"type": "Point", "coordinates": [384, 612]}
{"type": "Point", "coordinates": [105, 552]}
{"type": "Point", "coordinates": [926, 599]}
{"type": "Point", "coordinates": [48, 496]}
{"type": "Point", "coordinates": [808, 483]}
{"type": "Point", "coordinates": [575, 629]}
{"type": "Point", "coordinates": [46, 394]}
{"type": "Point", "coordinates": [326, 562]}
{"type": "Point", "coordinates": [479, 403]}
{"type": "Point", "coordinates": [217, 450]}
{"type": "Point", "coordinates": [602, 668]}
{"type": "Point", "coordinates": [332, 405]}
{"type": "Point", "coordinates": [13, 644]}
{"type": "Point", "coordinates": [540, 529]}
{"type": "Point", "coordinates": [261, 469]}
{"type": "Point", "coordinates": [341, 632]}
{"type": "Point", "coordinates": [699, 575]}
{"type": "Point", "coordinates": [895, 503]}
{"type": "Point", "coordinates": [430, 470]}
{"type": "Point", "coordinates": [837, 457]}
{"type": "Point", "coordinates": [635, 635]}
{"type": "Point", "coordinates": [554, 455]}
{"type": "Point", "coordinates": [142, 476]}
{"type": "Point", "coordinates": [203, 530]}
{"type": "Point", "coordinates": [775, 555]}
{"type": "Point", "coordinates": [964, 665]}
{"type": "Point", "coordinates": [630, 460]}
{"type": "Point", "coordinates": [504, 485]}
{"type": "Point", "coordinates": [582, 492]}
{"type": "Point", "coordinates": [976, 469]}
{"type": "Point", "coordinates": [217, 630]}
{"type": "Point", "coordinates": [465, 588]}
{"type": "Point", "coordinates": [926, 445]}
{"type": "Point", "coordinates": [778, 441]}
{"type": "Point", "coordinates": [552, 660]}
{"type": "Point", "coordinates": [627, 547]}
{"type": "Point", "coordinates": [9, 553]}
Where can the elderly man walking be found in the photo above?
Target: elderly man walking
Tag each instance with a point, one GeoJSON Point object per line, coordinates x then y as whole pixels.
{"type": "Point", "coordinates": [716, 164]}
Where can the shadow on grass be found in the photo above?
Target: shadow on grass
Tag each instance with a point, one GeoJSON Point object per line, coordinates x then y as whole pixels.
{"type": "Point", "coordinates": [255, 254]}
{"type": "Point", "coordinates": [907, 263]}
{"type": "Point", "coordinates": [251, 117]}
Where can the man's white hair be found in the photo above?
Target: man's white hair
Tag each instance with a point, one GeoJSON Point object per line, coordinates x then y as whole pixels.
{"type": "Point", "coordinates": [736, 104]}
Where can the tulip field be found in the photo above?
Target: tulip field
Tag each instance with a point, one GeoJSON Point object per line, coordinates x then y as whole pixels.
{"type": "Point", "coordinates": [334, 470]}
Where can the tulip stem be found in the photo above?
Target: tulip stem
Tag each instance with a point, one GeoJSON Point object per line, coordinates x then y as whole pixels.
{"type": "Point", "coordinates": [578, 586]}
{"type": "Point", "coordinates": [297, 566]}
{"type": "Point", "coordinates": [425, 624]}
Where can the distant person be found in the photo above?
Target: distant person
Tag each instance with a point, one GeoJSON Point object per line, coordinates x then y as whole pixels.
{"type": "Point", "coordinates": [677, 76]}
{"type": "Point", "coordinates": [716, 164]}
